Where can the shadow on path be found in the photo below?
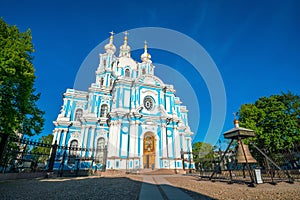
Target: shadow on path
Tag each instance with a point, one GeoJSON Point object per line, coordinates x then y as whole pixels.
{"type": "Point", "coordinates": [88, 188]}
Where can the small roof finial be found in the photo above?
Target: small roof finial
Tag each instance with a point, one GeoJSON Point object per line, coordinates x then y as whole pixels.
{"type": "Point", "coordinates": [111, 38]}
{"type": "Point", "coordinates": [235, 114]}
{"type": "Point", "coordinates": [145, 46]}
{"type": "Point", "coordinates": [125, 36]}
{"type": "Point", "coordinates": [235, 121]}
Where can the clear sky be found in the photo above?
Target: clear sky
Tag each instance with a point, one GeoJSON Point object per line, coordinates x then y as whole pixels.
{"type": "Point", "coordinates": [255, 45]}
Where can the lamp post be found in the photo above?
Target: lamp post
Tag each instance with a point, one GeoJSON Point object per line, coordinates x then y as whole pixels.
{"type": "Point", "coordinates": [64, 155]}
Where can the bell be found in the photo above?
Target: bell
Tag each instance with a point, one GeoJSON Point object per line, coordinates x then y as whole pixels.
{"type": "Point", "coordinates": [240, 157]}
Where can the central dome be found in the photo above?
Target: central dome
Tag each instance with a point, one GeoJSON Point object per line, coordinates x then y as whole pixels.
{"type": "Point", "coordinates": [127, 61]}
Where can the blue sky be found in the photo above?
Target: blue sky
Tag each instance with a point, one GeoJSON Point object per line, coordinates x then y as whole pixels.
{"type": "Point", "coordinates": [254, 44]}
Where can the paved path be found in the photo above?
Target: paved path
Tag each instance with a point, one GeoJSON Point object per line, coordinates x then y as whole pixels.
{"type": "Point", "coordinates": [158, 188]}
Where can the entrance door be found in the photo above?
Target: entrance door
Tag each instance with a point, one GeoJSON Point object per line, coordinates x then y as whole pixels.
{"type": "Point", "coordinates": [149, 151]}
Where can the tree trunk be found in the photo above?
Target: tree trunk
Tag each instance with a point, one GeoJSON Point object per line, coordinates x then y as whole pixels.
{"type": "Point", "coordinates": [3, 144]}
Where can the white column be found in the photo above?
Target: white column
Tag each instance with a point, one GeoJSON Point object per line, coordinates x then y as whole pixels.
{"type": "Point", "coordinates": [82, 153]}
{"type": "Point", "coordinates": [64, 138]}
{"type": "Point", "coordinates": [190, 144]}
{"type": "Point", "coordinates": [176, 143]}
{"type": "Point", "coordinates": [86, 133]}
{"type": "Point", "coordinates": [136, 145]}
{"type": "Point", "coordinates": [186, 147]}
{"type": "Point", "coordinates": [118, 135]}
{"type": "Point", "coordinates": [141, 150]}
{"type": "Point", "coordinates": [132, 139]}
{"type": "Point", "coordinates": [170, 145]}
{"type": "Point", "coordinates": [133, 152]}
{"type": "Point", "coordinates": [97, 110]}
{"type": "Point", "coordinates": [183, 143]}
{"type": "Point", "coordinates": [92, 142]}
{"type": "Point", "coordinates": [136, 129]}
{"type": "Point", "coordinates": [157, 152]}
{"type": "Point", "coordinates": [114, 140]}
{"type": "Point", "coordinates": [55, 134]}
{"type": "Point", "coordinates": [81, 135]}
{"type": "Point", "coordinates": [124, 144]}
{"type": "Point", "coordinates": [164, 141]}
{"type": "Point", "coordinates": [111, 140]}
{"type": "Point", "coordinates": [58, 135]}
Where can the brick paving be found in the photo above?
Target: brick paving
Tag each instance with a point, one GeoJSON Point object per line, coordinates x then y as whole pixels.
{"type": "Point", "coordinates": [129, 187]}
{"type": "Point", "coordinates": [72, 188]}
{"type": "Point", "coordinates": [221, 190]}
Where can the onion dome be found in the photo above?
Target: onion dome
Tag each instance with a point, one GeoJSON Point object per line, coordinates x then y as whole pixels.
{"type": "Point", "coordinates": [146, 57]}
{"type": "Point", "coordinates": [110, 47]}
{"type": "Point", "coordinates": [125, 48]}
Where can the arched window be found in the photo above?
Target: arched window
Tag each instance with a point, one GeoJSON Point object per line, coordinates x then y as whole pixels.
{"type": "Point", "coordinates": [78, 114]}
{"type": "Point", "coordinates": [101, 81]}
{"type": "Point", "coordinates": [104, 63]}
{"type": "Point", "coordinates": [111, 82]}
{"type": "Point", "coordinates": [100, 151]}
{"type": "Point", "coordinates": [104, 110]}
{"type": "Point", "coordinates": [143, 71]}
{"type": "Point", "coordinates": [72, 151]}
{"type": "Point", "coordinates": [112, 66]}
{"type": "Point", "coordinates": [73, 144]}
{"type": "Point", "coordinates": [127, 73]}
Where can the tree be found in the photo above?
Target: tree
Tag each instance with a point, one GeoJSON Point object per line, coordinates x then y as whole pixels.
{"type": "Point", "coordinates": [18, 110]}
{"type": "Point", "coordinates": [42, 153]}
{"type": "Point", "coordinates": [203, 154]}
{"type": "Point", "coordinates": [275, 120]}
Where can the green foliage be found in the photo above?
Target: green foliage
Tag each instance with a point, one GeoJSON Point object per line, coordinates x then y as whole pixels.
{"type": "Point", "coordinates": [42, 153]}
{"type": "Point", "coordinates": [10, 155]}
{"type": "Point", "coordinates": [275, 120]}
{"type": "Point", "coordinates": [203, 154]}
{"type": "Point", "coordinates": [18, 109]}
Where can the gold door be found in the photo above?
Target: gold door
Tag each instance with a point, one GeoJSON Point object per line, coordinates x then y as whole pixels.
{"type": "Point", "coordinates": [149, 151]}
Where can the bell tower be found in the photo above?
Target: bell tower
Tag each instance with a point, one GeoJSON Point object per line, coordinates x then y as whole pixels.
{"type": "Point", "coordinates": [106, 71]}
{"type": "Point", "coordinates": [146, 66]}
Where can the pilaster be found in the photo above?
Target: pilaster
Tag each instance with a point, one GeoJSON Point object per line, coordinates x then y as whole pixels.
{"type": "Point", "coordinates": [63, 142]}
{"type": "Point", "coordinates": [164, 145]}
{"type": "Point", "coordinates": [92, 141]}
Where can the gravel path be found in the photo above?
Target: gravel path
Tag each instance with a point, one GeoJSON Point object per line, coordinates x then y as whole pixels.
{"type": "Point", "coordinates": [128, 187]}
{"type": "Point", "coordinates": [221, 190]}
{"type": "Point", "coordinates": [72, 188]}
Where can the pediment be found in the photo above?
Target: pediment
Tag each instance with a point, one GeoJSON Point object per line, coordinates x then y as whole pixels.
{"type": "Point", "coordinates": [150, 80]}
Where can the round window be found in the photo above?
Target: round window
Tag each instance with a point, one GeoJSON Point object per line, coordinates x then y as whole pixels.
{"type": "Point", "coordinates": [148, 102]}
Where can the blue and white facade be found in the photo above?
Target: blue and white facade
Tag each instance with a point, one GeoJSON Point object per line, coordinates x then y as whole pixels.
{"type": "Point", "coordinates": [128, 118]}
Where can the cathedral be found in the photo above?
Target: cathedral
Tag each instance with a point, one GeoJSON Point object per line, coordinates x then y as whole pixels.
{"type": "Point", "coordinates": [128, 119]}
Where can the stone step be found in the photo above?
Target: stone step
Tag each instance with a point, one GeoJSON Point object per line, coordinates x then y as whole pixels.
{"type": "Point", "coordinates": [161, 172]}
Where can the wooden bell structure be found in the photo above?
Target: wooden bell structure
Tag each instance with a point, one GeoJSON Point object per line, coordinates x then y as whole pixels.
{"type": "Point", "coordinates": [243, 154]}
